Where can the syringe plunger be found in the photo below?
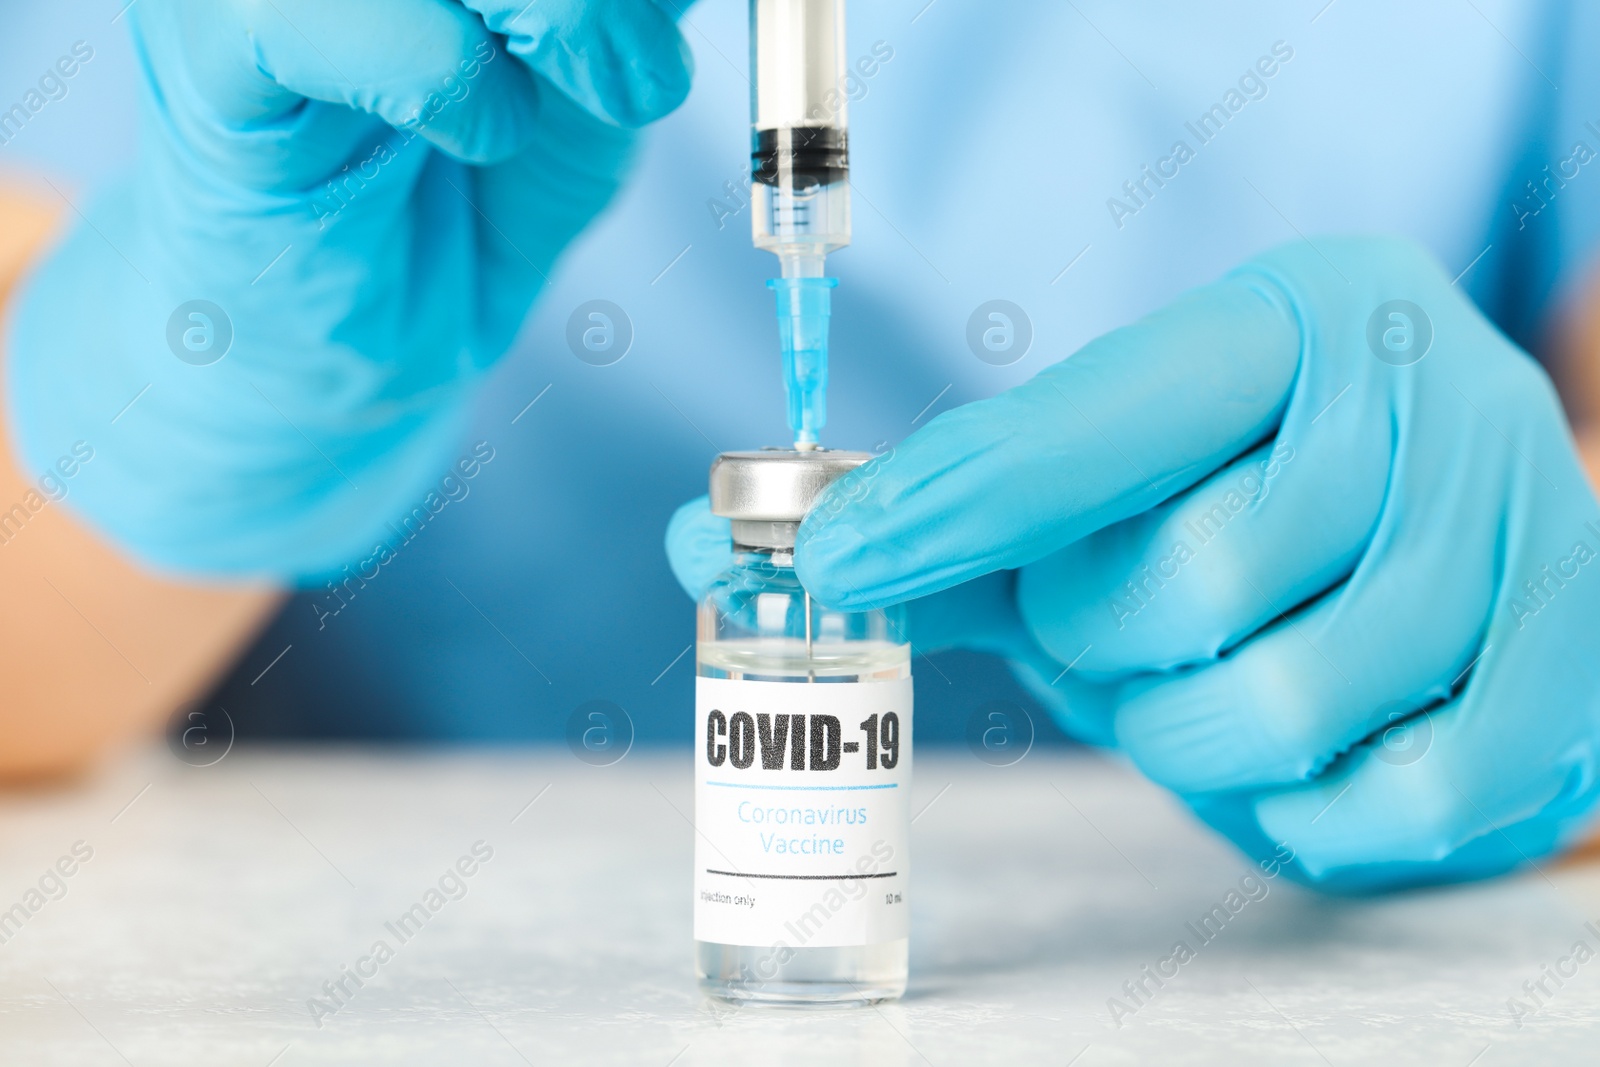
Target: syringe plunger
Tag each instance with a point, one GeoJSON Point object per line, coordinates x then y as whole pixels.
{"type": "Point", "coordinates": [799, 152]}
{"type": "Point", "coordinates": [800, 163]}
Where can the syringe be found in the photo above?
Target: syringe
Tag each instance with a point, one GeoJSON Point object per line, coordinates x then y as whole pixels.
{"type": "Point", "coordinates": [800, 161]}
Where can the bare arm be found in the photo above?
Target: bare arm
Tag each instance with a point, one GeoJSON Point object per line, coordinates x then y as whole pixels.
{"type": "Point", "coordinates": [1575, 366]}
{"type": "Point", "coordinates": [94, 649]}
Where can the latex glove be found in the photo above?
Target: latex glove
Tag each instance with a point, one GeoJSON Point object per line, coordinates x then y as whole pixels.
{"type": "Point", "coordinates": [1347, 605]}
{"type": "Point", "coordinates": [372, 191]}
{"type": "Point", "coordinates": [979, 616]}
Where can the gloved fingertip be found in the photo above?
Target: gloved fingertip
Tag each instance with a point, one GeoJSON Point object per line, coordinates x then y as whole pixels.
{"type": "Point", "coordinates": [627, 70]}
{"type": "Point", "coordinates": [658, 88]}
{"type": "Point", "coordinates": [699, 546]}
{"type": "Point", "coordinates": [494, 132]}
{"type": "Point", "coordinates": [1292, 817]}
{"type": "Point", "coordinates": [831, 564]}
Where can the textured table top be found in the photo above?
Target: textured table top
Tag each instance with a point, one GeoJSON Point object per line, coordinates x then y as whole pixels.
{"type": "Point", "coordinates": [206, 907]}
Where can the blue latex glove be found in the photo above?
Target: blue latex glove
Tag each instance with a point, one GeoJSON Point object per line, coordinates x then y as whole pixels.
{"type": "Point", "coordinates": [1343, 597]}
{"type": "Point", "coordinates": [372, 192]}
{"type": "Point", "coordinates": [979, 616]}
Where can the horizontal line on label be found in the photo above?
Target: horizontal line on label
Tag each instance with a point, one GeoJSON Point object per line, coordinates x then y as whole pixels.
{"type": "Point", "coordinates": [742, 785]}
{"type": "Point", "coordinates": [807, 877]}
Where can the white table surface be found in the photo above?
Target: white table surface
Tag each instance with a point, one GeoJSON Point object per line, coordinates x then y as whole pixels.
{"type": "Point", "coordinates": [220, 899]}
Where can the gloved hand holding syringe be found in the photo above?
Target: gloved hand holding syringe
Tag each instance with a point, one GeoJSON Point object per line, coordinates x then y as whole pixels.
{"type": "Point", "coordinates": [800, 161]}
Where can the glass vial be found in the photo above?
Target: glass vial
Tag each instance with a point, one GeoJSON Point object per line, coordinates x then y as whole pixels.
{"type": "Point", "coordinates": [803, 763]}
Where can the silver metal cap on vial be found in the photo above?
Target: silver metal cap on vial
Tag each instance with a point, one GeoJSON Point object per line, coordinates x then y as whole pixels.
{"type": "Point", "coordinates": [767, 493]}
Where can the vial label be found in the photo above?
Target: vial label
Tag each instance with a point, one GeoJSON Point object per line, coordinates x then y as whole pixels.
{"type": "Point", "coordinates": [802, 813]}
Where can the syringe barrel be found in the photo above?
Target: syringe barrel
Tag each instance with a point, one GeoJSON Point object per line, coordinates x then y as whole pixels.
{"type": "Point", "coordinates": [799, 152]}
